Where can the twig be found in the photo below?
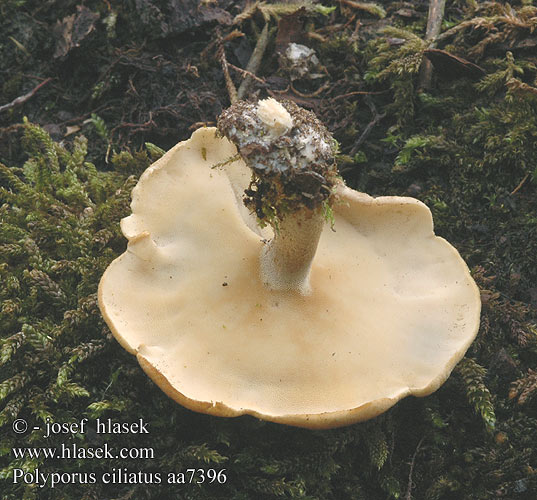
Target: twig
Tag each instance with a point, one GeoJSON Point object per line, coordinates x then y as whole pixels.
{"type": "Point", "coordinates": [520, 184]}
{"type": "Point", "coordinates": [316, 36]}
{"type": "Point", "coordinates": [255, 61]}
{"type": "Point", "coordinates": [322, 88]}
{"type": "Point", "coordinates": [23, 98]}
{"type": "Point", "coordinates": [370, 125]}
{"type": "Point", "coordinates": [136, 127]}
{"type": "Point", "coordinates": [358, 92]}
{"type": "Point", "coordinates": [434, 20]}
{"type": "Point", "coordinates": [434, 25]}
{"type": "Point", "coordinates": [274, 91]}
{"type": "Point", "coordinates": [408, 495]}
{"type": "Point", "coordinates": [245, 73]}
{"type": "Point", "coordinates": [221, 53]}
{"type": "Point", "coordinates": [347, 24]}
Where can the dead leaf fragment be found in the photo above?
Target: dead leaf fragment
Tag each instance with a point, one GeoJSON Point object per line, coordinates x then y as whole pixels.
{"type": "Point", "coordinates": [290, 30]}
{"type": "Point", "coordinates": [186, 15]}
{"type": "Point", "coordinates": [450, 66]}
{"type": "Point", "coordinates": [71, 130]}
{"type": "Point", "coordinates": [70, 31]}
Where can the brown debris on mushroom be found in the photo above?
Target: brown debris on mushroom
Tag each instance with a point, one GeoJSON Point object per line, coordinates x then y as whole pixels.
{"type": "Point", "coordinates": [292, 159]}
{"type": "Point", "coordinates": [314, 328]}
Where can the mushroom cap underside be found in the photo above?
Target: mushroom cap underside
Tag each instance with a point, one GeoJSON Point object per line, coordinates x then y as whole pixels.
{"type": "Point", "coordinates": [393, 307]}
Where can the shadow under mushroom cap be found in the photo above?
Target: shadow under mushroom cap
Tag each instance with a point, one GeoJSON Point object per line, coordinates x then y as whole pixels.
{"type": "Point", "coordinates": [393, 307]}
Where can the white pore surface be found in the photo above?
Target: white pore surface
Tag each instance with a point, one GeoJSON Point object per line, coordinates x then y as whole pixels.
{"type": "Point", "coordinates": [393, 307]}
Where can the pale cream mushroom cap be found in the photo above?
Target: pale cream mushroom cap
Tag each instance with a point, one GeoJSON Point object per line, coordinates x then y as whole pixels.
{"type": "Point", "coordinates": [392, 307]}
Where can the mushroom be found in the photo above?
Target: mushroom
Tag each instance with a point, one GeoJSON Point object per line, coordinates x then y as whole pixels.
{"type": "Point", "coordinates": [237, 297]}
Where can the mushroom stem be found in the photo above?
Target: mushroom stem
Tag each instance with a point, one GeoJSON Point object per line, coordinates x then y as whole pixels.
{"type": "Point", "coordinates": [286, 259]}
{"type": "Point", "coordinates": [291, 155]}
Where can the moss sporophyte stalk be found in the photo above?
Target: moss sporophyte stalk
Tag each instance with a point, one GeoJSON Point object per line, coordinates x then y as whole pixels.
{"type": "Point", "coordinates": [324, 326]}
